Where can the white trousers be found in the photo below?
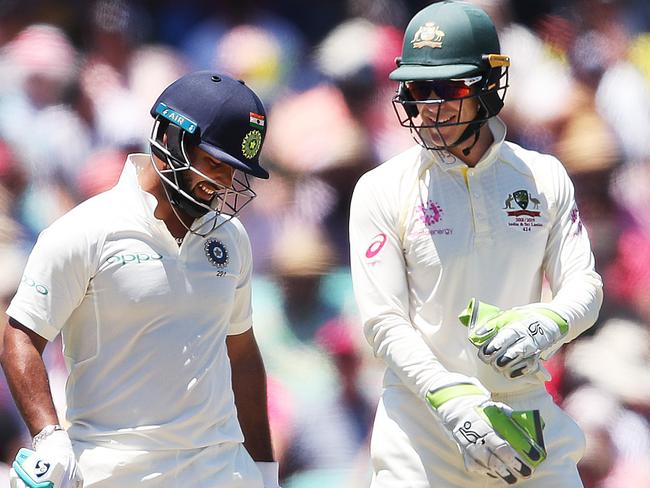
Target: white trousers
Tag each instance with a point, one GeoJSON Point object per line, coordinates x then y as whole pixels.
{"type": "Point", "coordinates": [225, 465]}
{"type": "Point", "coordinates": [411, 449]}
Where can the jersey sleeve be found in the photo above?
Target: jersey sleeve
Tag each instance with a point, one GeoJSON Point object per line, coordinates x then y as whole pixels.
{"type": "Point", "coordinates": [569, 263]}
{"type": "Point", "coordinates": [241, 318]}
{"type": "Point", "coordinates": [54, 281]}
{"type": "Point", "coordinates": [379, 277]}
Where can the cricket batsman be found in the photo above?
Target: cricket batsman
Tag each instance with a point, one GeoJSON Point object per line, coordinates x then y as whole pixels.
{"type": "Point", "coordinates": [450, 243]}
{"type": "Point", "coordinates": [149, 284]}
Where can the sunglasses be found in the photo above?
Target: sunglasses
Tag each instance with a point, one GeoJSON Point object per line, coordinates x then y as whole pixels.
{"type": "Point", "coordinates": [453, 89]}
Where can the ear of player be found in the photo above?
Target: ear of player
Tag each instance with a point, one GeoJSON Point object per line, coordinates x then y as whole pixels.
{"type": "Point", "coordinates": [494, 439]}
{"type": "Point", "coordinates": [512, 341]}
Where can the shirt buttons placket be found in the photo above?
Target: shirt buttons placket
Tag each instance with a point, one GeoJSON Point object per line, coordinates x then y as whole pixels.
{"type": "Point", "coordinates": [480, 218]}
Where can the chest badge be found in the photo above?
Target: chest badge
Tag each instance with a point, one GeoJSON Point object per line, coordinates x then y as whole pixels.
{"type": "Point", "coordinates": [216, 253]}
{"type": "Point", "coordinates": [523, 210]}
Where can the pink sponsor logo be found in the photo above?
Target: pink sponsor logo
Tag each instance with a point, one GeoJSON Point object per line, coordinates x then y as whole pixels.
{"type": "Point", "coordinates": [376, 245]}
{"type": "Point", "coordinates": [429, 214]}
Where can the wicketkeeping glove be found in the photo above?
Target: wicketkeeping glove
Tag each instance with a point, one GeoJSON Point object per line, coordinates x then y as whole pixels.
{"type": "Point", "coordinates": [494, 440]}
{"type": "Point", "coordinates": [51, 465]}
{"type": "Point", "coordinates": [512, 341]}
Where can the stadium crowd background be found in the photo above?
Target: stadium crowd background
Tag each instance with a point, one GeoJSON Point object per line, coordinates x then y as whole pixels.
{"type": "Point", "coordinates": [77, 79]}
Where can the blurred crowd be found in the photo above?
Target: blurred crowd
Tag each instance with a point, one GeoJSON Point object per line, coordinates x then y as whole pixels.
{"type": "Point", "coordinates": [77, 82]}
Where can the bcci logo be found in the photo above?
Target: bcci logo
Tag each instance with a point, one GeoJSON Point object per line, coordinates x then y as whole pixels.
{"type": "Point", "coordinates": [216, 253]}
{"type": "Point", "coordinates": [251, 144]}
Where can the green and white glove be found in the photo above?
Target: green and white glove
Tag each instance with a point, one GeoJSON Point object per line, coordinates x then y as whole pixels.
{"type": "Point", "coordinates": [512, 341]}
{"type": "Point", "coordinates": [51, 464]}
{"type": "Point", "coordinates": [493, 439]}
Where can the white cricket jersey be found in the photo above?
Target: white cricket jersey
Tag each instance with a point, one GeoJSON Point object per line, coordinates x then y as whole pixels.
{"type": "Point", "coordinates": [427, 234]}
{"type": "Point", "coordinates": [143, 320]}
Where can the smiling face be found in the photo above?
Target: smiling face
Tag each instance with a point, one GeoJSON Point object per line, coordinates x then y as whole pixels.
{"type": "Point", "coordinates": [443, 116]}
{"type": "Point", "coordinates": [201, 188]}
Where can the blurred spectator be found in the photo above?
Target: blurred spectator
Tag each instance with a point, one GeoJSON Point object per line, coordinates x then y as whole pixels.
{"type": "Point", "coordinates": [609, 429]}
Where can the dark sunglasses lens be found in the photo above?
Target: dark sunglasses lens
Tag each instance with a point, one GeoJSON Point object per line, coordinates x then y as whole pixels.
{"type": "Point", "coordinates": [438, 89]}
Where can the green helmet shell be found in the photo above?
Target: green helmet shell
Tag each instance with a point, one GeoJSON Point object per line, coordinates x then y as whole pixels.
{"type": "Point", "coordinates": [445, 40]}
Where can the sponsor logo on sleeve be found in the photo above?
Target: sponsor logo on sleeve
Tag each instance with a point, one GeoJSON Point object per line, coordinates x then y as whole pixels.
{"type": "Point", "coordinates": [38, 288]}
{"type": "Point", "coordinates": [376, 245]}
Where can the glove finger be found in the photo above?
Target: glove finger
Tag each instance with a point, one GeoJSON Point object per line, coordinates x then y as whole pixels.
{"type": "Point", "coordinates": [526, 367]}
{"type": "Point", "coordinates": [498, 345]}
{"type": "Point", "coordinates": [512, 460]}
{"type": "Point", "coordinates": [505, 472]}
{"type": "Point", "coordinates": [473, 465]}
{"type": "Point", "coordinates": [485, 462]}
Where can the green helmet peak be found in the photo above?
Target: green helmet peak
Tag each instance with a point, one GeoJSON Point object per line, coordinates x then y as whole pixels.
{"type": "Point", "coordinates": [449, 39]}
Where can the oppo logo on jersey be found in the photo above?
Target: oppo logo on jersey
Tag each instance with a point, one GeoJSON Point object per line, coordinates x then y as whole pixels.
{"type": "Point", "coordinates": [41, 289]}
{"type": "Point", "coordinates": [133, 258]}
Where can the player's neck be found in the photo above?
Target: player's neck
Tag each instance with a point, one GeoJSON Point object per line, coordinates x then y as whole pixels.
{"type": "Point", "coordinates": [151, 183]}
{"type": "Point", "coordinates": [477, 147]}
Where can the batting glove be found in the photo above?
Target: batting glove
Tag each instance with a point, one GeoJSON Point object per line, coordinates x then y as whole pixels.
{"type": "Point", "coordinates": [512, 341]}
{"type": "Point", "coordinates": [269, 470]}
{"type": "Point", "coordinates": [494, 440]}
{"type": "Point", "coordinates": [51, 464]}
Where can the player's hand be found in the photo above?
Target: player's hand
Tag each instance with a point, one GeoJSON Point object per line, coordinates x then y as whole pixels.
{"type": "Point", "coordinates": [493, 439]}
{"type": "Point", "coordinates": [512, 341]}
{"type": "Point", "coordinates": [51, 465]}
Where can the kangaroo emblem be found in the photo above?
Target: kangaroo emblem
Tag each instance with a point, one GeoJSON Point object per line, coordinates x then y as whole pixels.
{"type": "Point", "coordinates": [509, 201]}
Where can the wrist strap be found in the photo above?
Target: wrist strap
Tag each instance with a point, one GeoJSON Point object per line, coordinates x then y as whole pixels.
{"type": "Point", "coordinates": [438, 397]}
{"type": "Point", "coordinates": [47, 431]}
{"type": "Point", "coordinates": [558, 319]}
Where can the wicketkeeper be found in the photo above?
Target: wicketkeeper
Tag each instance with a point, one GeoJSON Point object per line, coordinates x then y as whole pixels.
{"type": "Point", "coordinates": [450, 244]}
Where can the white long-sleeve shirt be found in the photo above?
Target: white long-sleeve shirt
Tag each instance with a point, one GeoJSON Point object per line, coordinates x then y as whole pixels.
{"type": "Point", "coordinates": [427, 234]}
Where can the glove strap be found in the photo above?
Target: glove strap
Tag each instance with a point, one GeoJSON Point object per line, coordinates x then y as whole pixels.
{"type": "Point", "coordinates": [438, 397]}
{"type": "Point", "coordinates": [559, 320]}
{"type": "Point", "coordinates": [47, 431]}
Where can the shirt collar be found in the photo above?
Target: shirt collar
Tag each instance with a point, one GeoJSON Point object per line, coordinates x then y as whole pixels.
{"type": "Point", "coordinates": [129, 183]}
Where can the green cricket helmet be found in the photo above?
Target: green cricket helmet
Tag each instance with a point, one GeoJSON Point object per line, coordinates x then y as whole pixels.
{"type": "Point", "coordinates": [451, 49]}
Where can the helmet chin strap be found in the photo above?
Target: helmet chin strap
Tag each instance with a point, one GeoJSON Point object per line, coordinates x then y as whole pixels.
{"type": "Point", "coordinates": [468, 149]}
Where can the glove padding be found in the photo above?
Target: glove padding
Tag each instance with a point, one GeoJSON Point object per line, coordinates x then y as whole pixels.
{"type": "Point", "coordinates": [493, 439]}
{"type": "Point", "coordinates": [512, 341]}
{"type": "Point", "coordinates": [51, 465]}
